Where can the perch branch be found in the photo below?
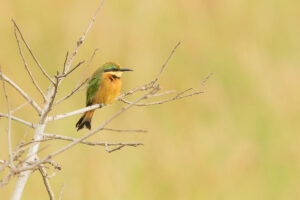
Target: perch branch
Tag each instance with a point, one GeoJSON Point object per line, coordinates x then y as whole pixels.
{"type": "Point", "coordinates": [79, 111]}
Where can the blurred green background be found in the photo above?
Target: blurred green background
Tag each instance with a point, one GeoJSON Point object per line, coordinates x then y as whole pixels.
{"type": "Point", "coordinates": [238, 140]}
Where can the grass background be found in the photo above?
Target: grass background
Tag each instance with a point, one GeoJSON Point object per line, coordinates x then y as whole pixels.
{"type": "Point", "coordinates": [238, 140]}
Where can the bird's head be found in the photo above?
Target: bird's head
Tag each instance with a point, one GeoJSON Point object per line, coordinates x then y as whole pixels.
{"type": "Point", "coordinates": [114, 69]}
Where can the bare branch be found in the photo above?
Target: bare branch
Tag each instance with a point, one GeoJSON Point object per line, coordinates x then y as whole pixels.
{"type": "Point", "coordinates": [64, 68]}
{"type": "Point", "coordinates": [33, 155]}
{"type": "Point", "coordinates": [30, 51]}
{"type": "Point", "coordinates": [52, 95]}
{"type": "Point", "coordinates": [164, 93]}
{"type": "Point", "coordinates": [26, 66]}
{"type": "Point", "coordinates": [73, 92]}
{"type": "Point", "coordinates": [31, 125]}
{"type": "Point", "coordinates": [31, 101]}
{"type": "Point", "coordinates": [86, 68]}
{"type": "Point", "coordinates": [137, 89]}
{"type": "Point", "coordinates": [165, 64]}
{"type": "Point", "coordinates": [70, 71]}
{"type": "Point", "coordinates": [66, 138]}
{"type": "Point", "coordinates": [49, 137]}
{"type": "Point", "coordinates": [177, 97]}
{"type": "Point", "coordinates": [205, 80]}
{"type": "Point", "coordinates": [46, 182]}
{"type": "Point", "coordinates": [114, 149]}
{"type": "Point", "coordinates": [61, 191]}
{"type": "Point", "coordinates": [9, 125]}
{"type": "Point", "coordinates": [79, 111]}
{"type": "Point", "coordinates": [125, 130]}
{"type": "Point", "coordinates": [19, 107]}
{"type": "Point", "coordinates": [6, 179]}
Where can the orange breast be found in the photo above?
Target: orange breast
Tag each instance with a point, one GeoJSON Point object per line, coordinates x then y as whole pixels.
{"type": "Point", "coordinates": [108, 90]}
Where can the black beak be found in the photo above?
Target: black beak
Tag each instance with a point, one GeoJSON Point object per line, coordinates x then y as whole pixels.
{"type": "Point", "coordinates": [124, 70]}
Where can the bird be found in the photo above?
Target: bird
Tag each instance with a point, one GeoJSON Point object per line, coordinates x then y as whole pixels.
{"type": "Point", "coordinates": [103, 87]}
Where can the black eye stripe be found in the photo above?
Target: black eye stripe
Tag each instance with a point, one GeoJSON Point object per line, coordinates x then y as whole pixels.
{"type": "Point", "coordinates": [111, 70]}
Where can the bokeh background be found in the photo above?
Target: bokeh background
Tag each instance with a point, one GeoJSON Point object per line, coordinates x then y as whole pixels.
{"type": "Point", "coordinates": [238, 140]}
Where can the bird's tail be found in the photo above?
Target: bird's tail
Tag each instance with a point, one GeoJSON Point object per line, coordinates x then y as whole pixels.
{"type": "Point", "coordinates": [85, 120]}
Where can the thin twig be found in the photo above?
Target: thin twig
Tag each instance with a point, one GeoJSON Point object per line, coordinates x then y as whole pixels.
{"type": "Point", "coordinates": [30, 51]}
{"type": "Point", "coordinates": [71, 70]}
{"type": "Point", "coordinates": [34, 155]}
{"type": "Point", "coordinates": [166, 62]}
{"type": "Point", "coordinates": [19, 107]}
{"type": "Point", "coordinates": [86, 68]}
{"type": "Point", "coordinates": [205, 80]}
{"type": "Point", "coordinates": [164, 93]}
{"type": "Point", "coordinates": [177, 97]}
{"type": "Point", "coordinates": [114, 149]}
{"type": "Point", "coordinates": [125, 130]}
{"type": "Point", "coordinates": [73, 92]}
{"type": "Point", "coordinates": [61, 191]}
{"type": "Point", "coordinates": [64, 68]}
{"type": "Point", "coordinates": [66, 138]}
{"type": "Point", "coordinates": [9, 125]}
{"type": "Point", "coordinates": [46, 182]}
{"type": "Point", "coordinates": [49, 137]}
{"type": "Point", "coordinates": [5, 180]}
{"type": "Point", "coordinates": [26, 66]}
{"type": "Point", "coordinates": [31, 101]}
{"type": "Point", "coordinates": [31, 125]}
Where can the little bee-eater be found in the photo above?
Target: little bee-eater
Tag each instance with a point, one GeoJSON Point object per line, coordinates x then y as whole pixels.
{"type": "Point", "coordinates": [104, 87]}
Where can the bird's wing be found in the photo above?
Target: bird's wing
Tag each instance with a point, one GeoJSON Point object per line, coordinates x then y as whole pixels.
{"type": "Point", "coordinates": [92, 89]}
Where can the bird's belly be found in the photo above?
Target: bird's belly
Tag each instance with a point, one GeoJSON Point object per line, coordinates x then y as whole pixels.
{"type": "Point", "coordinates": [108, 91]}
